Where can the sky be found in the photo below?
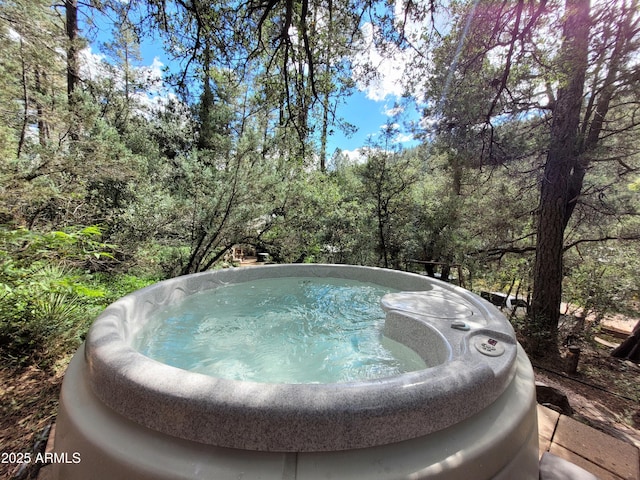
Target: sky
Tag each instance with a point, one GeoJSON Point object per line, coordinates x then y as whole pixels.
{"type": "Point", "coordinates": [369, 107]}
{"type": "Point", "coordinates": [369, 115]}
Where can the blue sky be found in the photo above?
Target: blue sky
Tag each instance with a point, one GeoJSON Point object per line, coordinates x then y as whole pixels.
{"type": "Point", "coordinates": [368, 107]}
{"type": "Point", "coordinates": [369, 116]}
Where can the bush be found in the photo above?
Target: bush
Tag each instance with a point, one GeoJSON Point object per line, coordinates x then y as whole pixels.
{"type": "Point", "coordinates": [48, 295]}
{"type": "Point", "coordinates": [43, 312]}
{"type": "Point", "coordinates": [603, 280]}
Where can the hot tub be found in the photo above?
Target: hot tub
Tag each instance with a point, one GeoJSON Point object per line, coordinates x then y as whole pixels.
{"type": "Point", "coordinates": [469, 415]}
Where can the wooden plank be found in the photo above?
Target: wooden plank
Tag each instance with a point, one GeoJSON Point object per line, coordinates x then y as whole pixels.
{"type": "Point", "coordinates": [606, 343]}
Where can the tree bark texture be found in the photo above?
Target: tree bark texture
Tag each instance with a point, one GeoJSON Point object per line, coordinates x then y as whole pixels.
{"type": "Point", "coordinates": [71, 11]}
{"type": "Point", "coordinates": [73, 77]}
{"type": "Point", "coordinates": [562, 171]}
{"type": "Point", "coordinates": [630, 348]}
{"type": "Point", "coordinates": [25, 101]}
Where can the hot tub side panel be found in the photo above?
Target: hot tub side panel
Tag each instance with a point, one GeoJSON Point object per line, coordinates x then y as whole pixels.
{"type": "Point", "coordinates": [110, 446]}
{"type": "Point", "coordinates": [499, 443]}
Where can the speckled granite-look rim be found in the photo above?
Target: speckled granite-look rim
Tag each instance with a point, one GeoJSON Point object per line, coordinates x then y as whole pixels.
{"type": "Point", "coordinates": [447, 325]}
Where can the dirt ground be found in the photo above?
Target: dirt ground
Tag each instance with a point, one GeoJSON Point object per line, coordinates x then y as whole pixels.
{"type": "Point", "coordinates": [28, 404]}
{"type": "Point", "coordinates": [604, 393]}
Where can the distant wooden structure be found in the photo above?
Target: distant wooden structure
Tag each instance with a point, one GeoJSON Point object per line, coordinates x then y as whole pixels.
{"type": "Point", "coordinates": [429, 263]}
{"type": "Point", "coordinates": [500, 299]}
{"type": "Point", "coordinates": [238, 253]}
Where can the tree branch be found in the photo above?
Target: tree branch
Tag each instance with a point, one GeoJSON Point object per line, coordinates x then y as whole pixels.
{"type": "Point", "coordinates": [607, 238]}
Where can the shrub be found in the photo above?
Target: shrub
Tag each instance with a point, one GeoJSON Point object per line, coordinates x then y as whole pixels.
{"type": "Point", "coordinates": [46, 300]}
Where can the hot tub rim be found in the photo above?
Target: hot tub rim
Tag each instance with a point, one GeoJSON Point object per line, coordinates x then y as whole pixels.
{"type": "Point", "coordinates": [344, 415]}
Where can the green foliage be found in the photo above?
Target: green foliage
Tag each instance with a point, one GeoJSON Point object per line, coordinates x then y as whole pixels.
{"type": "Point", "coordinates": [234, 159]}
{"type": "Point", "coordinates": [41, 309]}
{"type": "Point", "coordinates": [387, 182]}
{"type": "Point", "coordinates": [76, 247]}
{"type": "Point", "coordinates": [41, 313]}
{"type": "Point", "coordinates": [345, 235]}
{"type": "Point", "coordinates": [602, 279]}
{"type": "Point", "coordinates": [47, 295]}
{"type": "Point", "coordinates": [319, 222]}
{"type": "Point", "coordinates": [115, 286]}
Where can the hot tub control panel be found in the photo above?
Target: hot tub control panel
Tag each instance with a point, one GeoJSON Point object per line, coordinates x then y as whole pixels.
{"type": "Point", "coordinates": [489, 346]}
{"type": "Point", "coordinates": [466, 340]}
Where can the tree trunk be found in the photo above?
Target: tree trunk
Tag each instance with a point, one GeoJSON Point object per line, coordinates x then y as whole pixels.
{"type": "Point", "coordinates": [630, 348]}
{"type": "Point", "coordinates": [25, 100]}
{"type": "Point", "coordinates": [43, 126]}
{"type": "Point", "coordinates": [73, 78]}
{"type": "Point", "coordinates": [324, 132]}
{"type": "Point", "coordinates": [592, 126]}
{"type": "Point", "coordinates": [327, 89]}
{"type": "Point", "coordinates": [205, 137]}
{"type": "Point", "coordinates": [382, 244]}
{"type": "Point", "coordinates": [71, 10]}
{"type": "Point", "coordinates": [555, 192]}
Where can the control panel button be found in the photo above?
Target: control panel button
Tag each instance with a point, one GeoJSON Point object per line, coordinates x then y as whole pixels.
{"type": "Point", "coordinates": [459, 325]}
{"type": "Point", "coordinates": [489, 346]}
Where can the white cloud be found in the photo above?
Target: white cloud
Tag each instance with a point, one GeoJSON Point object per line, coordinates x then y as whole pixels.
{"type": "Point", "coordinates": [354, 156]}
{"type": "Point", "coordinates": [155, 95]}
{"type": "Point", "coordinates": [360, 155]}
{"type": "Point", "coordinates": [385, 78]}
{"type": "Point", "coordinates": [392, 111]}
{"type": "Point", "coordinates": [152, 74]}
{"type": "Point", "coordinates": [382, 72]}
{"type": "Point", "coordinates": [92, 64]}
{"type": "Point", "coordinates": [393, 132]}
{"type": "Point", "coordinates": [403, 138]}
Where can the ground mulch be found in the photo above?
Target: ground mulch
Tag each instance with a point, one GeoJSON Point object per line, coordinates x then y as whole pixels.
{"type": "Point", "coordinates": [28, 405]}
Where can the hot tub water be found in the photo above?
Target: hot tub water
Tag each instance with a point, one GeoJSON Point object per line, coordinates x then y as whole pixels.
{"type": "Point", "coordinates": [285, 330]}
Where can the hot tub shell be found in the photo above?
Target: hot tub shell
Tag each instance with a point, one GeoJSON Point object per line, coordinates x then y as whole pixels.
{"type": "Point", "coordinates": [471, 415]}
